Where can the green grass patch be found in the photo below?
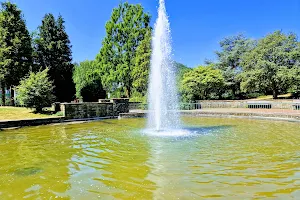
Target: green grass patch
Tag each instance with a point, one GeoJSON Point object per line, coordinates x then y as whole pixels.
{"type": "Point", "coordinates": [15, 113]}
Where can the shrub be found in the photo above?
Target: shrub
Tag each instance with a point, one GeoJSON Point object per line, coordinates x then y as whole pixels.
{"type": "Point", "coordinates": [35, 91]}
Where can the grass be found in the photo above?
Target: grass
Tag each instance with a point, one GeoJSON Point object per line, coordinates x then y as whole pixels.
{"type": "Point", "coordinates": [15, 113]}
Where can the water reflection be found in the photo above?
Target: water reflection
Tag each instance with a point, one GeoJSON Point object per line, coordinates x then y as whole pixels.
{"type": "Point", "coordinates": [110, 166]}
{"type": "Point", "coordinates": [30, 168]}
{"type": "Point", "coordinates": [228, 158]}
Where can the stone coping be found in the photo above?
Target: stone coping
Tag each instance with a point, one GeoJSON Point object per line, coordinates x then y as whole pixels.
{"type": "Point", "coordinates": [237, 113]}
{"type": "Point", "coordinates": [87, 103]}
{"type": "Point", "coordinates": [30, 122]}
{"type": "Point", "coordinates": [44, 121]}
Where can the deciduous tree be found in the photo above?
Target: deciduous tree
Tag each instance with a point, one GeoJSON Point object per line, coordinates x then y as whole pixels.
{"type": "Point", "coordinates": [229, 62]}
{"type": "Point", "coordinates": [88, 82]}
{"type": "Point", "coordinates": [203, 82]}
{"type": "Point", "coordinates": [269, 65]}
{"type": "Point", "coordinates": [125, 31]}
{"type": "Point", "coordinates": [140, 72]}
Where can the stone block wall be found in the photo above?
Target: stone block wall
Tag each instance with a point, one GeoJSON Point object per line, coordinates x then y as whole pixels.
{"type": "Point", "coordinates": [120, 106]}
{"type": "Point", "coordinates": [135, 105]}
{"type": "Point", "coordinates": [103, 108]}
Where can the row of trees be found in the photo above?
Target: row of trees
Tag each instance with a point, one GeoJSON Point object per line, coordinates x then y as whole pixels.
{"type": "Point", "coordinates": [22, 53]}
{"type": "Point", "coordinates": [246, 68]}
{"type": "Point", "coordinates": [243, 68]}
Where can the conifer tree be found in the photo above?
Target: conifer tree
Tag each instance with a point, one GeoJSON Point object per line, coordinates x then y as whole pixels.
{"type": "Point", "coordinates": [15, 48]}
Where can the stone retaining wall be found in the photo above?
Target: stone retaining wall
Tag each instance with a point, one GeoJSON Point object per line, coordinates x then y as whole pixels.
{"type": "Point", "coordinates": [135, 105]}
{"type": "Point", "coordinates": [103, 108]}
{"type": "Point", "coordinates": [30, 122]}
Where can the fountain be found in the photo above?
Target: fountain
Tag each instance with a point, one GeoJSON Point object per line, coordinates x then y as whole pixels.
{"type": "Point", "coordinates": [162, 97]}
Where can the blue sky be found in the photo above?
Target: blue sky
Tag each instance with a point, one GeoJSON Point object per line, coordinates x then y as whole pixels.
{"type": "Point", "coordinates": [197, 25]}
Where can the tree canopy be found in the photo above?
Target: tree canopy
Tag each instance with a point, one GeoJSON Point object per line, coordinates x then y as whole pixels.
{"type": "Point", "coordinates": [268, 66]}
{"type": "Point", "coordinates": [140, 71]}
{"type": "Point", "coordinates": [15, 46]}
{"type": "Point", "coordinates": [125, 31]}
{"type": "Point", "coordinates": [53, 51]}
{"type": "Point", "coordinates": [229, 62]}
{"type": "Point", "coordinates": [35, 91]}
{"type": "Point", "coordinates": [202, 82]}
{"type": "Point", "coordinates": [88, 82]}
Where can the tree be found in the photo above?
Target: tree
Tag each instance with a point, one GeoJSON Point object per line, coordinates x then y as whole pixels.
{"type": "Point", "coordinates": [93, 91]}
{"type": "Point", "coordinates": [35, 91]}
{"type": "Point", "coordinates": [15, 47]}
{"type": "Point", "coordinates": [229, 61]}
{"type": "Point", "coordinates": [181, 71]}
{"type": "Point", "coordinates": [268, 65]}
{"type": "Point", "coordinates": [140, 72]}
{"type": "Point", "coordinates": [125, 31]}
{"type": "Point", "coordinates": [294, 78]}
{"type": "Point", "coordinates": [53, 51]}
{"type": "Point", "coordinates": [201, 83]}
{"type": "Point", "coordinates": [88, 82]}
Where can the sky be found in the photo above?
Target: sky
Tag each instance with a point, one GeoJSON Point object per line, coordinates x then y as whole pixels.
{"type": "Point", "coordinates": [197, 25]}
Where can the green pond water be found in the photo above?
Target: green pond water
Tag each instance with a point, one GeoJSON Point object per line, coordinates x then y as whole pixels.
{"type": "Point", "coordinates": [113, 159]}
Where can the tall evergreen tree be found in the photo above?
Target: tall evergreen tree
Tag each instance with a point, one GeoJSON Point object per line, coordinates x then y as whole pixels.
{"type": "Point", "coordinates": [125, 31]}
{"type": "Point", "coordinates": [53, 50]}
{"type": "Point", "coordinates": [15, 47]}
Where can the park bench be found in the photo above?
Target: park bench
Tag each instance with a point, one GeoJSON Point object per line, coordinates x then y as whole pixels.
{"type": "Point", "coordinates": [296, 105]}
{"type": "Point", "coordinates": [259, 104]}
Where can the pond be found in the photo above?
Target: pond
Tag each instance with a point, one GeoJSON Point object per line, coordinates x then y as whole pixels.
{"type": "Point", "coordinates": [114, 159]}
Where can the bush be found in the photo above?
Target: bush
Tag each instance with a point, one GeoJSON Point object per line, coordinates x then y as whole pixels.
{"type": "Point", "coordinates": [93, 91]}
{"type": "Point", "coordinates": [35, 91]}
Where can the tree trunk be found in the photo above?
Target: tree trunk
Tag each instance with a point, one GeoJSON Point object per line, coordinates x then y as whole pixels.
{"type": "Point", "coordinates": [12, 96]}
{"type": "Point", "coordinates": [233, 92]}
{"type": "Point", "coordinates": [275, 94]}
{"type": "Point", "coordinates": [3, 93]}
{"type": "Point", "coordinates": [128, 91]}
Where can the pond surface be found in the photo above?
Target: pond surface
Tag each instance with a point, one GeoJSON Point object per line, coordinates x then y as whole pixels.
{"type": "Point", "coordinates": [112, 159]}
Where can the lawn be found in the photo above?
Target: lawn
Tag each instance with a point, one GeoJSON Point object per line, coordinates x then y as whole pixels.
{"type": "Point", "coordinates": [11, 113]}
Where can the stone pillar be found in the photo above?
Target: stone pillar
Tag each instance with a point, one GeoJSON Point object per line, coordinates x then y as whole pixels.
{"type": "Point", "coordinates": [120, 106]}
{"type": "Point", "coordinates": [56, 107]}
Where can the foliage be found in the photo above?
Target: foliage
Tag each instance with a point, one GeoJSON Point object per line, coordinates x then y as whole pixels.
{"type": "Point", "coordinates": [267, 67]}
{"type": "Point", "coordinates": [294, 78]}
{"type": "Point", "coordinates": [125, 31]}
{"type": "Point", "coordinates": [53, 51]}
{"type": "Point", "coordinates": [181, 71]}
{"type": "Point", "coordinates": [229, 62]}
{"type": "Point", "coordinates": [93, 91]}
{"type": "Point", "coordinates": [88, 82]}
{"type": "Point", "coordinates": [15, 46]}
{"type": "Point", "coordinates": [35, 91]}
{"type": "Point", "coordinates": [140, 72]}
{"type": "Point", "coordinates": [202, 82]}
